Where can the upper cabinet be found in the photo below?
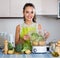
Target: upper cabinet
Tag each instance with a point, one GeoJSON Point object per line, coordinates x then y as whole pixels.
{"type": "Point", "coordinates": [49, 7]}
{"type": "Point", "coordinates": [14, 8]}
{"type": "Point", "coordinates": [38, 6]}
{"type": "Point", "coordinates": [4, 8]}
{"type": "Point", "coordinates": [43, 7]}
{"type": "Point", "coordinates": [17, 7]}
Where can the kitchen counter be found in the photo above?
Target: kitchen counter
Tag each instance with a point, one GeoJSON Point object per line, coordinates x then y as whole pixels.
{"type": "Point", "coordinates": [44, 55]}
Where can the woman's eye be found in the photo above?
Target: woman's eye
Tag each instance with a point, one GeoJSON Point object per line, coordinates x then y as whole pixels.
{"type": "Point", "coordinates": [32, 12]}
{"type": "Point", "coordinates": [27, 12]}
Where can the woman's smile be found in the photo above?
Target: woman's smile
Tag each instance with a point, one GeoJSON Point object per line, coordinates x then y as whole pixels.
{"type": "Point", "coordinates": [29, 17]}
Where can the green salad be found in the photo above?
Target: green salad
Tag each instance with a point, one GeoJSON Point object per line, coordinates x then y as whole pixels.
{"type": "Point", "coordinates": [36, 37]}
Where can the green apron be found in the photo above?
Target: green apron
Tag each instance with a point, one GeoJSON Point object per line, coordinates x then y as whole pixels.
{"type": "Point", "coordinates": [27, 29]}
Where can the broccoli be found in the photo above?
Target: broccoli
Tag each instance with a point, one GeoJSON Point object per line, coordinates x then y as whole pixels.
{"type": "Point", "coordinates": [18, 47]}
{"type": "Point", "coordinates": [10, 47]}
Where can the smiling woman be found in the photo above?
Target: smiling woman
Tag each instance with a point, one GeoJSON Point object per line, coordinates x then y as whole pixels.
{"type": "Point", "coordinates": [29, 25]}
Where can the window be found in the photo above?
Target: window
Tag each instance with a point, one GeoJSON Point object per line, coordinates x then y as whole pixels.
{"type": "Point", "coordinates": [58, 9]}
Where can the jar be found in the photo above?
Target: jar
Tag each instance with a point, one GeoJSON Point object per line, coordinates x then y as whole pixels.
{"type": "Point", "coordinates": [57, 49]}
{"type": "Point", "coordinates": [53, 46]}
{"type": "Point", "coordinates": [5, 46]}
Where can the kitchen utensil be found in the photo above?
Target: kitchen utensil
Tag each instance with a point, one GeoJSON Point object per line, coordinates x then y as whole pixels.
{"type": "Point", "coordinates": [40, 49]}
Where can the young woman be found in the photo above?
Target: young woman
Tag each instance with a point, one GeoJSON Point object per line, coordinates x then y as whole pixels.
{"type": "Point", "coordinates": [29, 24]}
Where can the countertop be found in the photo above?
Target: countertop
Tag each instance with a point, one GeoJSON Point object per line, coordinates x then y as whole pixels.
{"type": "Point", "coordinates": [44, 55]}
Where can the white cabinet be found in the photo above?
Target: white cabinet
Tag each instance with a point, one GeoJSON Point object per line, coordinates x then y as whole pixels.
{"type": "Point", "coordinates": [43, 7]}
{"type": "Point", "coordinates": [38, 6]}
{"type": "Point", "coordinates": [16, 9]}
{"type": "Point", "coordinates": [4, 8]}
{"type": "Point", "coordinates": [49, 7]}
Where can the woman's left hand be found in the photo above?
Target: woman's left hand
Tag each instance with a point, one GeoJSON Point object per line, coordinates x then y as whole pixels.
{"type": "Point", "coordinates": [46, 35]}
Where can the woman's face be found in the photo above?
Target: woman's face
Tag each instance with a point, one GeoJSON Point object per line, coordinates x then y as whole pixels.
{"type": "Point", "coordinates": [29, 13]}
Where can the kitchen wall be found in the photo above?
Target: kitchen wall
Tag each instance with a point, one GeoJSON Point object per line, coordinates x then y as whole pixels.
{"type": "Point", "coordinates": [51, 24]}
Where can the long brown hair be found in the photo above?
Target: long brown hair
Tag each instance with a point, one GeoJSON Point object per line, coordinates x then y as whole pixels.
{"type": "Point", "coordinates": [29, 4]}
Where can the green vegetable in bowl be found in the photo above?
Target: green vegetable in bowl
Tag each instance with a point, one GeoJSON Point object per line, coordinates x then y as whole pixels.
{"type": "Point", "coordinates": [34, 34]}
{"type": "Point", "coordinates": [18, 47]}
{"type": "Point", "coordinates": [36, 37]}
{"type": "Point", "coordinates": [27, 46]}
{"type": "Point", "coordinates": [40, 38]}
{"type": "Point", "coordinates": [10, 47]}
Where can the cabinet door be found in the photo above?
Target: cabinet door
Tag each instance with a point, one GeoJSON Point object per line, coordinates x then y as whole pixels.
{"type": "Point", "coordinates": [49, 7]}
{"type": "Point", "coordinates": [16, 8]}
{"type": "Point", "coordinates": [38, 6]}
{"type": "Point", "coordinates": [4, 8]}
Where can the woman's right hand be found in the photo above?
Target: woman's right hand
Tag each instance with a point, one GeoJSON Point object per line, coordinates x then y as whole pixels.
{"type": "Point", "coordinates": [26, 37]}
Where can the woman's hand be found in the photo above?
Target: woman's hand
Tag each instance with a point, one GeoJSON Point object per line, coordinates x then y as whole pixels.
{"type": "Point", "coordinates": [26, 37]}
{"type": "Point", "coordinates": [46, 34]}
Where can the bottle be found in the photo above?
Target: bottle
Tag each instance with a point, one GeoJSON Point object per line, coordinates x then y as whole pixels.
{"type": "Point", "coordinates": [11, 40]}
{"type": "Point", "coordinates": [5, 46]}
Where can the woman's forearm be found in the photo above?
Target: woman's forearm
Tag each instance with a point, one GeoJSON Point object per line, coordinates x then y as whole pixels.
{"type": "Point", "coordinates": [17, 40]}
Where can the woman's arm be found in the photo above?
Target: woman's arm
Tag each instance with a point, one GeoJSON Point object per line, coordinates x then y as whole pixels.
{"type": "Point", "coordinates": [40, 29]}
{"type": "Point", "coordinates": [17, 34]}
{"type": "Point", "coordinates": [46, 34]}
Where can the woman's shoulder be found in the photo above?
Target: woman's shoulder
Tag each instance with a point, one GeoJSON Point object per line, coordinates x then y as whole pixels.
{"type": "Point", "coordinates": [18, 27]}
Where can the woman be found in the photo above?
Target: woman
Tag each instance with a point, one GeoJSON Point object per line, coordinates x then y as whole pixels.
{"type": "Point", "coordinates": [29, 24]}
